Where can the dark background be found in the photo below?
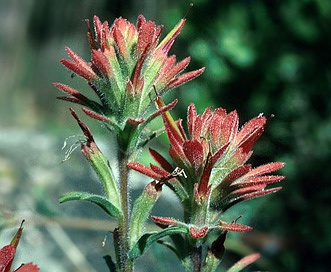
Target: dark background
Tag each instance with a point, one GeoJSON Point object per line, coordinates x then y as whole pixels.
{"type": "Point", "coordinates": [270, 57]}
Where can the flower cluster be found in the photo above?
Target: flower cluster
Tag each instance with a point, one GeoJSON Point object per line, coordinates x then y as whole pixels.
{"type": "Point", "coordinates": [213, 157]}
{"type": "Point", "coordinates": [127, 63]}
{"type": "Point", "coordinates": [129, 70]}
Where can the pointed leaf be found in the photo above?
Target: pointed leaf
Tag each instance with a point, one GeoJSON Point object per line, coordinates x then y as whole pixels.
{"type": "Point", "coordinates": [161, 160]}
{"type": "Point", "coordinates": [147, 239]}
{"type": "Point", "coordinates": [163, 173]}
{"type": "Point", "coordinates": [99, 164]}
{"type": "Point", "coordinates": [232, 201]}
{"type": "Point", "coordinates": [166, 43]}
{"type": "Point", "coordinates": [250, 133]}
{"type": "Point", "coordinates": [143, 169]}
{"type": "Point", "coordinates": [101, 201]}
{"type": "Point", "coordinates": [78, 66]}
{"type": "Point", "coordinates": [142, 209]}
{"type": "Point", "coordinates": [191, 116]}
{"type": "Point", "coordinates": [64, 88]}
{"type": "Point", "coordinates": [164, 221]}
{"type": "Point", "coordinates": [184, 78]}
{"type": "Point", "coordinates": [259, 180]}
{"type": "Point", "coordinates": [169, 122]}
{"type": "Point", "coordinates": [161, 110]}
{"type": "Point", "coordinates": [16, 239]}
{"type": "Point", "coordinates": [234, 227]}
{"type": "Point", "coordinates": [266, 168]}
{"type": "Point", "coordinates": [261, 193]}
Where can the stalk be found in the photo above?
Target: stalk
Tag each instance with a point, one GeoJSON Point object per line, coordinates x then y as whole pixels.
{"type": "Point", "coordinates": [126, 263]}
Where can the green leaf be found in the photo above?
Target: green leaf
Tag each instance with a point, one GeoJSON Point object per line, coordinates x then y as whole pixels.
{"type": "Point", "coordinates": [142, 209]}
{"type": "Point", "coordinates": [102, 168]}
{"type": "Point", "coordinates": [147, 239]}
{"type": "Point", "coordinates": [101, 201]}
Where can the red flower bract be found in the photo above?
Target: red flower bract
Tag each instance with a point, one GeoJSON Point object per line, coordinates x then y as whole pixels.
{"type": "Point", "coordinates": [213, 156]}
{"type": "Point", "coordinates": [127, 62]}
{"type": "Point", "coordinates": [215, 144]}
{"type": "Point", "coordinates": [7, 254]}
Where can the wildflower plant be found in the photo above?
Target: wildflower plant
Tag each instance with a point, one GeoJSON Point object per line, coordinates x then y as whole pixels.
{"type": "Point", "coordinates": [130, 71]}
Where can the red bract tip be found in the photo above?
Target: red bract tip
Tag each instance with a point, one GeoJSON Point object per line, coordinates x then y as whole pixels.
{"type": "Point", "coordinates": [78, 66]}
{"type": "Point", "coordinates": [229, 127]}
{"type": "Point", "coordinates": [184, 78]}
{"type": "Point", "coordinates": [84, 128]}
{"type": "Point", "coordinates": [7, 254]}
{"type": "Point", "coordinates": [234, 227]}
{"type": "Point", "coordinates": [167, 42]}
{"type": "Point", "coordinates": [98, 28]}
{"type": "Point", "coordinates": [266, 168]}
{"type": "Point", "coordinates": [96, 116]}
{"type": "Point", "coordinates": [161, 160]}
{"type": "Point", "coordinates": [76, 96]}
{"type": "Point", "coordinates": [167, 221]}
{"type": "Point", "coordinates": [101, 62]}
{"type": "Point", "coordinates": [119, 39]}
{"type": "Point", "coordinates": [144, 170]}
{"type": "Point", "coordinates": [262, 193]}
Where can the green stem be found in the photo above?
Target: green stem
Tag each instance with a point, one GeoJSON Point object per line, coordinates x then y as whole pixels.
{"type": "Point", "coordinates": [126, 262]}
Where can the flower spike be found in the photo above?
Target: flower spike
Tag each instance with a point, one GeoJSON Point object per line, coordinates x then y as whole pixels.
{"type": "Point", "coordinates": [127, 60]}
{"type": "Point", "coordinates": [213, 156]}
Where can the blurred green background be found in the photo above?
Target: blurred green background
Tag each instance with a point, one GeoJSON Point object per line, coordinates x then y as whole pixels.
{"type": "Point", "coordinates": [270, 57]}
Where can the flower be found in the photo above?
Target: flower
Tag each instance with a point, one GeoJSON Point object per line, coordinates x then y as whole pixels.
{"type": "Point", "coordinates": [127, 63]}
{"type": "Point", "coordinates": [213, 157]}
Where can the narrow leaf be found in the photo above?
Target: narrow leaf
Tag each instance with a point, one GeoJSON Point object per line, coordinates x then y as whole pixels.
{"type": "Point", "coordinates": [161, 160]}
{"type": "Point", "coordinates": [99, 163]}
{"type": "Point", "coordinates": [143, 169]}
{"type": "Point", "coordinates": [234, 227]}
{"type": "Point", "coordinates": [142, 209]}
{"type": "Point", "coordinates": [164, 221]}
{"type": "Point", "coordinates": [101, 201]}
{"type": "Point", "coordinates": [147, 239]}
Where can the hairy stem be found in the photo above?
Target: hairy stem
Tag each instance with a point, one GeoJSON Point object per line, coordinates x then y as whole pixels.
{"type": "Point", "coordinates": [126, 262]}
